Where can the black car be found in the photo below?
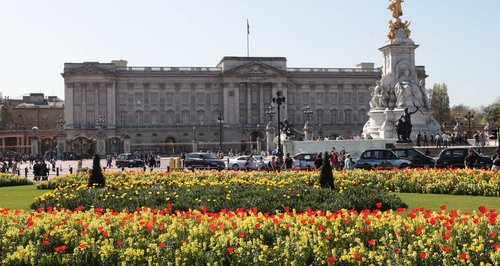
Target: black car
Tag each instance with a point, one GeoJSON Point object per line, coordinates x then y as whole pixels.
{"type": "Point", "coordinates": [381, 159]}
{"type": "Point", "coordinates": [128, 160]}
{"type": "Point", "coordinates": [417, 158]}
{"type": "Point", "coordinates": [454, 158]}
{"type": "Point", "coordinates": [203, 160]}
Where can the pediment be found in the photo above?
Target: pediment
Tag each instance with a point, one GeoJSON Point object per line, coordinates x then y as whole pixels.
{"type": "Point", "coordinates": [89, 70]}
{"type": "Point", "coordinates": [256, 68]}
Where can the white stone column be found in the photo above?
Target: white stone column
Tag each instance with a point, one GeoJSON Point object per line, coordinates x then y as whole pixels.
{"type": "Point", "coordinates": [68, 104]}
{"type": "Point", "coordinates": [261, 103]}
{"type": "Point", "coordinates": [249, 103]}
{"type": "Point", "coordinates": [111, 105]}
{"type": "Point", "coordinates": [236, 88]}
{"type": "Point", "coordinates": [225, 103]}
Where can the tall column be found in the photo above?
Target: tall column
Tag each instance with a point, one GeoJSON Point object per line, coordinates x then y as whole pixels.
{"type": "Point", "coordinates": [261, 103]}
{"type": "Point", "coordinates": [249, 103]}
{"type": "Point", "coordinates": [111, 105]}
{"type": "Point", "coordinates": [228, 114]}
{"type": "Point", "coordinates": [68, 103]}
{"type": "Point", "coordinates": [236, 102]}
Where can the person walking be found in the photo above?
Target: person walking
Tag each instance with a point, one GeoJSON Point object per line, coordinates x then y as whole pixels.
{"type": "Point", "coordinates": [438, 140]}
{"type": "Point", "coordinates": [496, 160]}
{"type": "Point", "coordinates": [470, 160]}
{"type": "Point", "coordinates": [318, 162]}
{"type": "Point", "coordinates": [445, 140]}
{"type": "Point", "coordinates": [348, 164]}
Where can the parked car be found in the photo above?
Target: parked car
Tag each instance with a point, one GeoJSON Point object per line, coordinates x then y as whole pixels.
{"type": "Point", "coordinates": [128, 160]}
{"type": "Point", "coordinates": [9, 153]}
{"type": "Point", "coordinates": [203, 160]}
{"type": "Point", "coordinates": [240, 162]}
{"type": "Point", "coordinates": [454, 158]}
{"type": "Point", "coordinates": [306, 160]}
{"type": "Point", "coordinates": [381, 159]}
{"type": "Point", "coordinates": [417, 158]}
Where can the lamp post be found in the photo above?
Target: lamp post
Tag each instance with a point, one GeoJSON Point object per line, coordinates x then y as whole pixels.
{"type": "Point", "coordinates": [469, 117]}
{"type": "Point", "coordinates": [220, 121]}
{"type": "Point", "coordinates": [279, 100]}
{"type": "Point", "coordinates": [307, 113]}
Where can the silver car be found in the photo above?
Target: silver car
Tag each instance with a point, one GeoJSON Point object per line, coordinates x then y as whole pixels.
{"type": "Point", "coordinates": [381, 159]}
{"type": "Point", "coordinates": [242, 162]}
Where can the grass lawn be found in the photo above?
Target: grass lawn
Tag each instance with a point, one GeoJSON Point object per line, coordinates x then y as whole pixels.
{"type": "Point", "coordinates": [20, 197]}
{"type": "Point", "coordinates": [452, 202]}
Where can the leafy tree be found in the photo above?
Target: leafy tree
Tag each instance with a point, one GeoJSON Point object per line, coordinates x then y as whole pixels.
{"type": "Point", "coordinates": [96, 176]}
{"type": "Point", "coordinates": [6, 116]}
{"type": "Point", "coordinates": [326, 174]}
{"type": "Point", "coordinates": [440, 102]}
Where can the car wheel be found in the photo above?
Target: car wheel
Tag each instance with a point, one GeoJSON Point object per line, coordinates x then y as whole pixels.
{"type": "Point", "coordinates": [403, 166]}
{"type": "Point", "coordinates": [236, 167]}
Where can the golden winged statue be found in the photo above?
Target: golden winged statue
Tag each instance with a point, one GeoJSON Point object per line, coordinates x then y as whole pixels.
{"type": "Point", "coordinates": [395, 7]}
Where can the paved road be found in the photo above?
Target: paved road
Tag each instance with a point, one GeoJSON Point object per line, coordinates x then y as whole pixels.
{"type": "Point", "coordinates": [64, 167]}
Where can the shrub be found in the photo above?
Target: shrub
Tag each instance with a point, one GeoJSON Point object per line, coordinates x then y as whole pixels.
{"type": "Point", "coordinates": [96, 177]}
{"type": "Point", "coordinates": [7, 180]}
{"type": "Point", "coordinates": [326, 175]}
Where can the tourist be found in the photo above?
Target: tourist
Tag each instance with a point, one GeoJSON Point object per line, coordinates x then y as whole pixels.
{"type": "Point", "coordinates": [419, 138]}
{"type": "Point", "coordinates": [444, 137]}
{"type": "Point", "coordinates": [470, 160]}
{"type": "Point", "coordinates": [438, 140]}
{"type": "Point", "coordinates": [318, 162]}
{"type": "Point", "coordinates": [426, 143]}
{"type": "Point", "coordinates": [296, 163]}
{"type": "Point", "coordinates": [288, 164]}
{"type": "Point", "coordinates": [271, 166]}
{"type": "Point", "coordinates": [349, 163]}
{"type": "Point", "coordinates": [334, 159]}
{"type": "Point", "coordinates": [496, 160]}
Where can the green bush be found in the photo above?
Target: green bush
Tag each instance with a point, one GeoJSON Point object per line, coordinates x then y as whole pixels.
{"type": "Point", "coordinates": [96, 177]}
{"type": "Point", "coordinates": [8, 180]}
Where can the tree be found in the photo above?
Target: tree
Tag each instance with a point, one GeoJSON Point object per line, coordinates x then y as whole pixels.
{"type": "Point", "coordinates": [6, 117]}
{"type": "Point", "coordinates": [96, 176]}
{"type": "Point", "coordinates": [326, 174]}
{"type": "Point", "coordinates": [440, 102]}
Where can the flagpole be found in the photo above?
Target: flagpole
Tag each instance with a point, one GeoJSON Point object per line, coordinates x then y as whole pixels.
{"type": "Point", "coordinates": [248, 39]}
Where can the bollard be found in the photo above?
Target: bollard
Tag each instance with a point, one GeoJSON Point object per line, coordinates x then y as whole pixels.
{"type": "Point", "coordinates": [123, 168]}
{"type": "Point", "coordinates": [144, 168]}
{"type": "Point", "coordinates": [18, 172]}
{"type": "Point", "coordinates": [151, 169]}
{"type": "Point", "coordinates": [26, 172]}
{"type": "Point", "coordinates": [70, 170]}
{"type": "Point", "coordinates": [57, 171]}
{"type": "Point", "coordinates": [168, 168]}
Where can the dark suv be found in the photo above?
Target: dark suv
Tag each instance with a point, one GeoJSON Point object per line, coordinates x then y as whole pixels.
{"type": "Point", "coordinates": [454, 158]}
{"type": "Point", "coordinates": [203, 160]}
{"type": "Point", "coordinates": [381, 159]}
{"type": "Point", "coordinates": [417, 158]}
{"type": "Point", "coordinates": [128, 160]}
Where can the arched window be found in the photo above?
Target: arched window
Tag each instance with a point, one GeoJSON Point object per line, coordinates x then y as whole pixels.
{"type": "Point", "coordinates": [185, 118]}
{"type": "Point", "coordinates": [155, 118]}
{"type": "Point", "coordinates": [170, 118]}
{"type": "Point", "coordinates": [334, 116]}
{"type": "Point", "coordinates": [200, 117]}
{"type": "Point", "coordinates": [348, 116]}
{"type": "Point", "coordinates": [139, 118]}
{"type": "Point", "coordinates": [320, 116]}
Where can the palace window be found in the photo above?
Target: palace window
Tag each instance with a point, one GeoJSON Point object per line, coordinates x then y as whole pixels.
{"type": "Point", "coordinates": [90, 98]}
{"type": "Point", "coordinates": [153, 97]}
{"type": "Point", "coordinates": [215, 99]}
{"type": "Point", "coordinates": [348, 98]}
{"type": "Point", "coordinates": [348, 116]}
{"type": "Point", "coordinates": [123, 99]}
{"type": "Point", "coordinates": [170, 118]}
{"type": "Point", "coordinates": [77, 99]}
{"type": "Point", "coordinates": [155, 118]}
{"type": "Point", "coordinates": [361, 98]}
{"type": "Point", "coordinates": [333, 98]}
{"type": "Point", "coordinates": [254, 97]}
{"type": "Point", "coordinates": [170, 98]}
{"type": "Point", "coordinates": [334, 117]}
{"type": "Point", "coordinates": [139, 119]}
{"type": "Point", "coordinates": [200, 98]}
{"type": "Point", "coordinates": [305, 98]}
{"type": "Point", "coordinates": [319, 98]}
{"type": "Point", "coordinates": [200, 117]}
{"type": "Point", "coordinates": [185, 98]}
{"type": "Point", "coordinates": [139, 99]}
{"type": "Point", "coordinates": [185, 118]}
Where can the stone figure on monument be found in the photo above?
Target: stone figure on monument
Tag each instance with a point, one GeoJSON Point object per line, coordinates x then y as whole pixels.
{"type": "Point", "coordinates": [407, 91]}
{"type": "Point", "coordinates": [404, 125]}
{"type": "Point", "coordinates": [425, 100]}
{"type": "Point", "coordinates": [377, 93]}
{"type": "Point", "coordinates": [395, 7]}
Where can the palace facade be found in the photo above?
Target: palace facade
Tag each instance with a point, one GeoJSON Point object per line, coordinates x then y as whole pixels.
{"type": "Point", "coordinates": [173, 109]}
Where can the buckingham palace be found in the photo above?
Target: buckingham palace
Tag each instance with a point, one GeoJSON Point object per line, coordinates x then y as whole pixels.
{"type": "Point", "coordinates": [229, 106]}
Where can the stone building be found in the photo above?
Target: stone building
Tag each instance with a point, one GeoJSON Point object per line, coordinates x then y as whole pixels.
{"type": "Point", "coordinates": [26, 112]}
{"type": "Point", "coordinates": [174, 109]}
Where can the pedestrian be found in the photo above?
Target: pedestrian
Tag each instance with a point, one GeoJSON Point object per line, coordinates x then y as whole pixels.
{"type": "Point", "coordinates": [470, 160]}
{"type": "Point", "coordinates": [271, 166]}
{"type": "Point", "coordinates": [334, 159]}
{"type": "Point", "coordinates": [419, 138]}
{"type": "Point", "coordinates": [445, 140]}
{"type": "Point", "coordinates": [438, 140]}
{"type": "Point", "coordinates": [426, 143]}
{"type": "Point", "coordinates": [288, 163]}
{"type": "Point", "coordinates": [296, 163]}
{"type": "Point", "coordinates": [318, 162]}
{"type": "Point", "coordinates": [349, 164]}
{"type": "Point", "coordinates": [496, 160]}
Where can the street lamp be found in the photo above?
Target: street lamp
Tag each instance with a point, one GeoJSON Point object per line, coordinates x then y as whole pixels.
{"type": "Point", "coordinates": [61, 124]}
{"type": "Point", "coordinates": [100, 123]}
{"type": "Point", "coordinates": [220, 121]}
{"type": "Point", "coordinates": [469, 117]}
{"type": "Point", "coordinates": [307, 113]}
{"type": "Point", "coordinates": [279, 100]}
{"type": "Point", "coordinates": [270, 112]}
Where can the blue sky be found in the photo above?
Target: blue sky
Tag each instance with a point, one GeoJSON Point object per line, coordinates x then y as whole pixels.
{"type": "Point", "coordinates": [459, 40]}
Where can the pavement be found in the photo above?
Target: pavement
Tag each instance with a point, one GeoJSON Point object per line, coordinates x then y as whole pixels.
{"type": "Point", "coordinates": [64, 167]}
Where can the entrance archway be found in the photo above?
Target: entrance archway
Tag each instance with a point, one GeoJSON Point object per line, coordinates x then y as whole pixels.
{"type": "Point", "coordinates": [170, 145]}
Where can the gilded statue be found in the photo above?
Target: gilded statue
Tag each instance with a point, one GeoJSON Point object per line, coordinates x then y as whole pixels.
{"type": "Point", "coordinates": [395, 7]}
{"type": "Point", "coordinates": [394, 26]}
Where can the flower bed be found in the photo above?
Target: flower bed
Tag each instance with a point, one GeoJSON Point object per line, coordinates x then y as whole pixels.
{"type": "Point", "coordinates": [216, 191]}
{"type": "Point", "coordinates": [434, 181]}
{"type": "Point", "coordinates": [245, 237]}
{"type": "Point", "coordinates": [13, 180]}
